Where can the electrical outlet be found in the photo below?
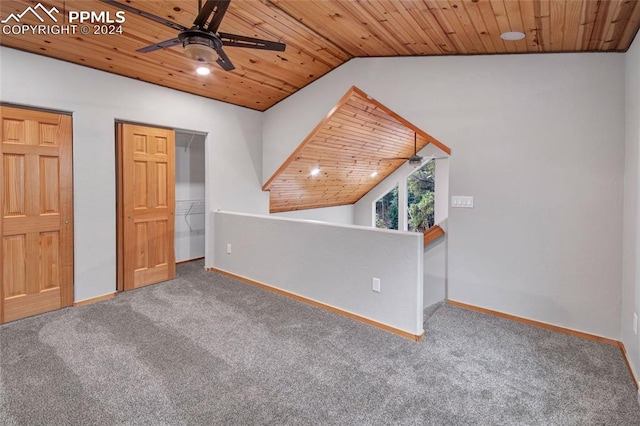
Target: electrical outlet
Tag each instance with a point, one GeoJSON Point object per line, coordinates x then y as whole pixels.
{"type": "Point", "coordinates": [376, 285]}
{"type": "Point", "coordinates": [228, 248]}
{"type": "Point", "coordinates": [635, 323]}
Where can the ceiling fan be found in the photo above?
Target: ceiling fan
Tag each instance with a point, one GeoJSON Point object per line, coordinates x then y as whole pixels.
{"type": "Point", "coordinates": [202, 42]}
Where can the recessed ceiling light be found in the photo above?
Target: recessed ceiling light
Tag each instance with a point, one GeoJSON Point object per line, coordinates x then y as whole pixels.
{"type": "Point", "coordinates": [374, 174]}
{"type": "Point", "coordinates": [315, 172]}
{"type": "Point", "coordinates": [203, 70]}
{"type": "Point", "coordinates": [512, 36]}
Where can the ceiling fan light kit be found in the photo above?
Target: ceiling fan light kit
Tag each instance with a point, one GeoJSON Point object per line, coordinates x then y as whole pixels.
{"type": "Point", "coordinates": [202, 42]}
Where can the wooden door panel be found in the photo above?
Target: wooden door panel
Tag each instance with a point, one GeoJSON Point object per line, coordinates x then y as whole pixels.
{"type": "Point", "coordinates": [37, 211]}
{"type": "Point", "coordinates": [13, 131]}
{"type": "Point", "coordinates": [148, 204]}
{"type": "Point", "coordinates": [49, 185]}
{"type": "Point", "coordinates": [13, 178]}
{"type": "Point", "coordinates": [49, 260]}
{"type": "Point", "coordinates": [14, 255]}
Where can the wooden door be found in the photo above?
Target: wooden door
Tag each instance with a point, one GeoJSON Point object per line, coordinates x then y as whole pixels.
{"type": "Point", "coordinates": [36, 214]}
{"type": "Point", "coordinates": [147, 197]}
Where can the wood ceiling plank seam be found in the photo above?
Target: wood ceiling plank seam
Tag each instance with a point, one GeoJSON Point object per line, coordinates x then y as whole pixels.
{"type": "Point", "coordinates": [411, 40]}
{"type": "Point", "coordinates": [363, 104]}
{"type": "Point", "coordinates": [306, 140]}
{"type": "Point", "coordinates": [468, 28]}
{"type": "Point", "coordinates": [477, 19]}
{"type": "Point", "coordinates": [515, 23]}
{"type": "Point", "coordinates": [414, 26]}
{"type": "Point", "coordinates": [557, 17]}
{"type": "Point", "coordinates": [376, 132]}
{"type": "Point", "coordinates": [597, 36]}
{"type": "Point", "coordinates": [274, 4]}
{"type": "Point", "coordinates": [375, 120]}
{"type": "Point", "coordinates": [491, 23]}
{"type": "Point", "coordinates": [340, 136]}
{"type": "Point", "coordinates": [376, 27]}
{"type": "Point", "coordinates": [375, 125]}
{"type": "Point", "coordinates": [610, 24]}
{"type": "Point", "coordinates": [543, 24]}
{"type": "Point", "coordinates": [329, 163]}
{"type": "Point", "coordinates": [528, 15]}
{"type": "Point", "coordinates": [384, 152]}
{"type": "Point", "coordinates": [358, 32]}
{"type": "Point", "coordinates": [618, 24]}
{"type": "Point", "coordinates": [445, 26]}
{"type": "Point", "coordinates": [322, 48]}
{"type": "Point", "coordinates": [587, 22]}
{"type": "Point", "coordinates": [291, 42]}
{"type": "Point", "coordinates": [376, 154]}
{"type": "Point", "coordinates": [502, 20]}
{"type": "Point", "coordinates": [449, 14]}
{"type": "Point", "coordinates": [429, 25]}
{"type": "Point", "coordinates": [365, 135]}
{"type": "Point", "coordinates": [632, 28]}
{"type": "Point", "coordinates": [572, 13]}
{"type": "Point", "coordinates": [410, 125]}
{"type": "Point", "coordinates": [369, 114]}
{"type": "Point", "coordinates": [281, 81]}
{"type": "Point", "coordinates": [317, 16]}
{"type": "Point", "coordinates": [352, 147]}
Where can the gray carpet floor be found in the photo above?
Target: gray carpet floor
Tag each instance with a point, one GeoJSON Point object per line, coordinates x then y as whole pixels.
{"type": "Point", "coordinates": [205, 349]}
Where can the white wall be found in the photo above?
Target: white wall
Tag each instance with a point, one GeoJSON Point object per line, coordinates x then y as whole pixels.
{"type": "Point", "coordinates": [435, 253]}
{"type": "Point", "coordinates": [631, 232]}
{"type": "Point", "coordinates": [538, 140]}
{"type": "Point", "coordinates": [337, 214]}
{"type": "Point", "coordinates": [332, 264]}
{"type": "Point", "coordinates": [233, 147]}
{"type": "Point", "coordinates": [190, 186]}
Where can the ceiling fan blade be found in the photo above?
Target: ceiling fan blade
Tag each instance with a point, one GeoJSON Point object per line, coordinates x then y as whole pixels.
{"type": "Point", "coordinates": [393, 158]}
{"type": "Point", "coordinates": [224, 61]}
{"type": "Point", "coordinates": [250, 42]}
{"type": "Point", "coordinates": [144, 14]}
{"type": "Point", "coordinates": [205, 12]}
{"type": "Point", "coordinates": [162, 45]}
{"type": "Point", "coordinates": [218, 15]}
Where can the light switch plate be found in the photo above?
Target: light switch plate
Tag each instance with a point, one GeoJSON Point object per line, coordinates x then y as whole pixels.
{"type": "Point", "coordinates": [460, 201]}
{"type": "Point", "coordinates": [375, 284]}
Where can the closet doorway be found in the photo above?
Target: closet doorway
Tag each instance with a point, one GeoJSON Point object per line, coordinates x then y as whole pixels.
{"type": "Point", "coordinates": [190, 196]}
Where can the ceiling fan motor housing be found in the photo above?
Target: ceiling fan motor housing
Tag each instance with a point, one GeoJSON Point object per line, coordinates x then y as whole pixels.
{"type": "Point", "coordinates": [199, 45]}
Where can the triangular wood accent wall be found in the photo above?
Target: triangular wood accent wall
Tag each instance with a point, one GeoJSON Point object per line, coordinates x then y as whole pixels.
{"type": "Point", "coordinates": [355, 140]}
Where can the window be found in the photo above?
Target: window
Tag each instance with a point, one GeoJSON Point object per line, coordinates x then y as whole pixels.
{"type": "Point", "coordinates": [387, 210]}
{"type": "Point", "coordinates": [420, 198]}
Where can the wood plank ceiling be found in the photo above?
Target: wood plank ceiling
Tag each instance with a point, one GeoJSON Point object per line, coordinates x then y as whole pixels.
{"type": "Point", "coordinates": [323, 34]}
{"type": "Point", "coordinates": [352, 149]}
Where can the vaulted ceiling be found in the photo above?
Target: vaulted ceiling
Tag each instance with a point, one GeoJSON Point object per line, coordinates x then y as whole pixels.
{"type": "Point", "coordinates": [323, 34]}
{"type": "Point", "coordinates": [354, 148]}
